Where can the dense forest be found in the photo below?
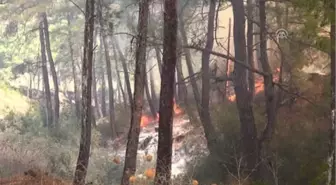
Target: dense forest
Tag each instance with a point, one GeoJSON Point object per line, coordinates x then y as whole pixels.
{"type": "Point", "coordinates": [185, 92]}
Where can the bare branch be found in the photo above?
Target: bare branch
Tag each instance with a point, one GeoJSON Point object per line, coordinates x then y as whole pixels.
{"type": "Point", "coordinates": [79, 8]}
{"type": "Point", "coordinates": [230, 58]}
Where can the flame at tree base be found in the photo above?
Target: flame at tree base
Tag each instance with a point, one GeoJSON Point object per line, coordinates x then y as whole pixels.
{"type": "Point", "coordinates": [146, 119]}
{"type": "Point", "coordinates": [258, 85]}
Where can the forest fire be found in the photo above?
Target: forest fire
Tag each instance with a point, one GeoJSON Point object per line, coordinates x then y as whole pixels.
{"type": "Point", "coordinates": [146, 119]}
{"type": "Point", "coordinates": [258, 85]}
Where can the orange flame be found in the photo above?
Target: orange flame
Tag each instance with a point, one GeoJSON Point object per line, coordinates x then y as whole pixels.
{"type": "Point", "coordinates": [259, 85]}
{"type": "Point", "coordinates": [177, 109]}
{"type": "Point", "coordinates": [146, 119]}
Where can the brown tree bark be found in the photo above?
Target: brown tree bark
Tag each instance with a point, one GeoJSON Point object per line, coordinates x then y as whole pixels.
{"type": "Point", "coordinates": [209, 129]}
{"type": "Point", "coordinates": [164, 152]}
{"type": "Point", "coordinates": [85, 142]}
{"type": "Point", "coordinates": [52, 69]}
{"type": "Point", "coordinates": [74, 73]}
{"type": "Point", "coordinates": [109, 73]}
{"type": "Point", "coordinates": [49, 112]}
{"type": "Point", "coordinates": [268, 79]}
{"type": "Point", "coordinates": [269, 90]}
{"type": "Point", "coordinates": [250, 46]}
{"type": "Point", "coordinates": [331, 153]}
{"type": "Point", "coordinates": [125, 69]}
{"type": "Point", "coordinates": [136, 106]}
{"type": "Point", "coordinates": [243, 98]}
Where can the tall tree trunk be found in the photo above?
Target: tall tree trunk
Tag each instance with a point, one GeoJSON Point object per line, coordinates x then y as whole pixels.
{"type": "Point", "coordinates": [94, 88]}
{"type": "Point", "coordinates": [209, 129]}
{"type": "Point", "coordinates": [103, 85]}
{"type": "Point", "coordinates": [164, 152]}
{"type": "Point", "coordinates": [109, 73]}
{"type": "Point", "coordinates": [119, 78]}
{"type": "Point", "coordinates": [243, 98]}
{"type": "Point", "coordinates": [180, 86]}
{"type": "Point", "coordinates": [96, 109]}
{"type": "Point", "coordinates": [152, 89]}
{"type": "Point", "coordinates": [186, 101]}
{"type": "Point", "coordinates": [52, 68]}
{"type": "Point", "coordinates": [38, 76]}
{"type": "Point", "coordinates": [176, 95]}
{"type": "Point", "coordinates": [269, 90]}
{"type": "Point", "coordinates": [250, 45]}
{"type": "Point", "coordinates": [125, 69]}
{"type": "Point", "coordinates": [256, 36]}
{"type": "Point", "coordinates": [110, 90]}
{"type": "Point", "coordinates": [331, 153]}
{"type": "Point", "coordinates": [31, 78]}
{"type": "Point", "coordinates": [190, 68]}
{"type": "Point", "coordinates": [158, 58]}
{"type": "Point", "coordinates": [85, 142]}
{"type": "Point", "coordinates": [136, 106]}
{"type": "Point", "coordinates": [73, 65]}
{"type": "Point", "coordinates": [148, 97]}
{"type": "Point", "coordinates": [227, 66]}
{"type": "Point", "coordinates": [49, 112]}
{"type": "Point", "coordinates": [180, 91]}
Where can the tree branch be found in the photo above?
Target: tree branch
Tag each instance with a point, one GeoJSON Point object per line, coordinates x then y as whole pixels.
{"type": "Point", "coordinates": [229, 58]}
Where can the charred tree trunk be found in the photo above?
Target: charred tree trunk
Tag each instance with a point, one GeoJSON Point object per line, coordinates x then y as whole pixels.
{"type": "Point", "coordinates": [227, 66]}
{"type": "Point", "coordinates": [125, 69]}
{"type": "Point", "coordinates": [331, 154]}
{"type": "Point", "coordinates": [52, 68]}
{"type": "Point", "coordinates": [136, 106]}
{"type": "Point", "coordinates": [74, 74]}
{"type": "Point", "coordinates": [269, 90]}
{"type": "Point", "coordinates": [243, 98]}
{"type": "Point", "coordinates": [164, 152]}
{"type": "Point", "coordinates": [85, 142]}
{"type": "Point", "coordinates": [250, 46]}
{"type": "Point", "coordinates": [49, 112]}
{"type": "Point", "coordinates": [209, 129]}
{"type": "Point", "coordinates": [109, 73]}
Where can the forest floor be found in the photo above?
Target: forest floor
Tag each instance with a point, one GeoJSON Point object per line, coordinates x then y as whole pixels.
{"type": "Point", "coordinates": [25, 145]}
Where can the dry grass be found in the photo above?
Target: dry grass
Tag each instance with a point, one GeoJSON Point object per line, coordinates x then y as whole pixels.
{"type": "Point", "coordinates": [34, 177]}
{"type": "Point", "coordinates": [12, 100]}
